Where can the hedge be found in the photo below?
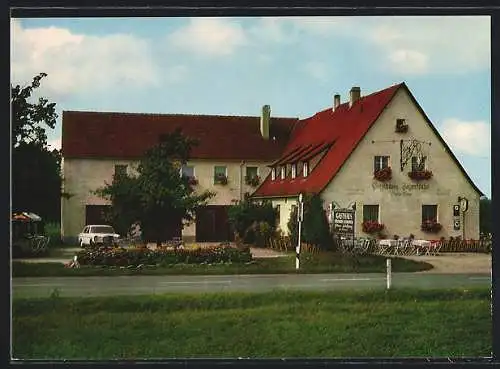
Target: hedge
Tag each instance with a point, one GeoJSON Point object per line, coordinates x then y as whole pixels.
{"type": "Point", "coordinates": [118, 256]}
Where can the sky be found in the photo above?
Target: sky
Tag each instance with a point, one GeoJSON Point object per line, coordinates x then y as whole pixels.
{"type": "Point", "coordinates": [233, 66]}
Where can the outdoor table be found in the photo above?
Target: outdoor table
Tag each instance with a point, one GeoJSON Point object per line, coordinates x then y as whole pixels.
{"type": "Point", "coordinates": [423, 245]}
{"type": "Point", "coordinates": [386, 246]}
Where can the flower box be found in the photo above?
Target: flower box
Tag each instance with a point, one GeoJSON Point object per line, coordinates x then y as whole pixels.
{"type": "Point", "coordinates": [252, 180]}
{"type": "Point", "coordinates": [383, 174]}
{"type": "Point", "coordinates": [220, 179]}
{"type": "Point", "coordinates": [419, 175]}
{"type": "Point", "coordinates": [372, 226]}
{"type": "Point", "coordinates": [431, 226]}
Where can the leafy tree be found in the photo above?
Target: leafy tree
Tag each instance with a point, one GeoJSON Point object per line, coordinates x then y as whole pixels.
{"type": "Point", "coordinates": [156, 194]}
{"type": "Point", "coordinates": [29, 119]}
{"type": "Point", "coordinates": [36, 171]}
{"type": "Point", "coordinates": [485, 215]}
{"type": "Point", "coordinates": [293, 228]}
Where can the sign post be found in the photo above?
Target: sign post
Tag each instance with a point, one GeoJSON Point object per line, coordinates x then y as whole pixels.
{"type": "Point", "coordinates": [300, 218]}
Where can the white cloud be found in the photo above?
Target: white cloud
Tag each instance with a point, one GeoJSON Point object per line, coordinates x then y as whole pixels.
{"type": "Point", "coordinates": [177, 73]}
{"type": "Point", "coordinates": [450, 44]}
{"type": "Point", "coordinates": [316, 70]}
{"type": "Point", "coordinates": [468, 137]}
{"type": "Point", "coordinates": [209, 36]}
{"type": "Point", "coordinates": [78, 63]}
{"type": "Point", "coordinates": [409, 61]}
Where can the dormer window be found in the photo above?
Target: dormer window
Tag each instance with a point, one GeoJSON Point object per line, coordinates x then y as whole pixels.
{"type": "Point", "coordinates": [273, 174]}
{"type": "Point", "coordinates": [294, 170]}
{"type": "Point", "coordinates": [305, 169]}
{"type": "Point", "coordinates": [283, 172]}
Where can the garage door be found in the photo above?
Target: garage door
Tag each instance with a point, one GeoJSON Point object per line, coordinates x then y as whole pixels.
{"type": "Point", "coordinates": [212, 224]}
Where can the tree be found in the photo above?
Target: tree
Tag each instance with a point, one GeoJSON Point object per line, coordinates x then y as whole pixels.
{"type": "Point", "coordinates": [157, 193]}
{"type": "Point", "coordinates": [36, 171]}
{"type": "Point", "coordinates": [315, 229]}
{"type": "Point", "coordinates": [249, 219]}
{"type": "Point", "coordinates": [485, 215]}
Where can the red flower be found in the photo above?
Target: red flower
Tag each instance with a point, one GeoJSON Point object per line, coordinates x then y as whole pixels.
{"type": "Point", "coordinates": [383, 174]}
{"type": "Point", "coordinates": [431, 226]}
{"type": "Point", "coordinates": [419, 175]}
{"type": "Point", "coordinates": [372, 226]}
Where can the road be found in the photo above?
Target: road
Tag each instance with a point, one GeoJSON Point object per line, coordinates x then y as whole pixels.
{"type": "Point", "coordinates": [136, 285]}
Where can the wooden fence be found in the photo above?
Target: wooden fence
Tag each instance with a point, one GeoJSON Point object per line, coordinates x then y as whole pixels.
{"type": "Point", "coordinates": [466, 246]}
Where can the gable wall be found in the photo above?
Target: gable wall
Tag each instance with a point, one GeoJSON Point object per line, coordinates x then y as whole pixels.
{"type": "Point", "coordinates": [400, 204]}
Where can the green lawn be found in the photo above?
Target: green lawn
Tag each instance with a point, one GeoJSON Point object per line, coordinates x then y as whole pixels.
{"type": "Point", "coordinates": [311, 263]}
{"type": "Point", "coordinates": [396, 323]}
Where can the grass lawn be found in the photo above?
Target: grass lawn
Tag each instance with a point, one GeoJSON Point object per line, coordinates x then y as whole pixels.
{"type": "Point", "coordinates": [396, 323]}
{"type": "Point", "coordinates": [326, 262]}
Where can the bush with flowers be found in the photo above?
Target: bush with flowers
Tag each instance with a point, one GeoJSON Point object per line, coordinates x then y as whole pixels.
{"type": "Point", "coordinates": [118, 256]}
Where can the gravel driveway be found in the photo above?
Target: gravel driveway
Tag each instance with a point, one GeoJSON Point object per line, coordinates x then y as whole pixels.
{"type": "Point", "coordinates": [451, 263]}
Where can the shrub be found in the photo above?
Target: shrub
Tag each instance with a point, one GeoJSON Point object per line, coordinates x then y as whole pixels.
{"type": "Point", "coordinates": [315, 228]}
{"type": "Point", "coordinates": [117, 256]}
{"type": "Point", "coordinates": [245, 217]}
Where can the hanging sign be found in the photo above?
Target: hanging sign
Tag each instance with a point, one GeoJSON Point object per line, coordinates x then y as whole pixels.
{"type": "Point", "coordinates": [343, 222]}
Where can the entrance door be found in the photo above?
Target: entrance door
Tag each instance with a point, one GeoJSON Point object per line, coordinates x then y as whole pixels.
{"type": "Point", "coordinates": [212, 224]}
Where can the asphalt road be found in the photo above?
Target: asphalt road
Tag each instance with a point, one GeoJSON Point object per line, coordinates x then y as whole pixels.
{"type": "Point", "coordinates": [136, 285]}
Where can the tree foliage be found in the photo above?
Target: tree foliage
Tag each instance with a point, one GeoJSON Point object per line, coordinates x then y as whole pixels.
{"type": "Point", "coordinates": [315, 229]}
{"type": "Point", "coordinates": [36, 171]}
{"type": "Point", "coordinates": [252, 221]}
{"type": "Point", "coordinates": [485, 213]}
{"type": "Point", "coordinates": [156, 194]}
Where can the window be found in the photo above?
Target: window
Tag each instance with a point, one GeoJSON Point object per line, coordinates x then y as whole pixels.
{"type": "Point", "coordinates": [283, 172]}
{"type": "Point", "coordinates": [273, 174]}
{"type": "Point", "coordinates": [294, 170]}
{"type": "Point", "coordinates": [417, 164]}
{"type": "Point", "coordinates": [252, 172]}
{"type": "Point", "coordinates": [220, 174]}
{"type": "Point", "coordinates": [305, 169]}
{"type": "Point", "coordinates": [429, 212]}
{"type": "Point", "coordinates": [187, 171]}
{"type": "Point", "coordinates": [370, 212]}
{"type": "Point", "coordinates": [380, 162]}
{"type": "Point", "coordinates": [120, 170]}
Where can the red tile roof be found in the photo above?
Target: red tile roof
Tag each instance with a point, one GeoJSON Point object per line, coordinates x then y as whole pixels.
{"type": "Point", "coordinates": [127, 136]}
{"type": "Point", "coordinates": [343, 129]}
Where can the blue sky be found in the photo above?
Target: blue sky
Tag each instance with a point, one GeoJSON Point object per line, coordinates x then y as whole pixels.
{"type": "Point", "coordinates": [233, 66]}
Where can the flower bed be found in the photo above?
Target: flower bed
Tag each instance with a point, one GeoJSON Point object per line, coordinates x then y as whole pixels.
{"type": "Point", "coordinates": [419, 175]}
{"type": "Point", "coordinates": [431, 226]}
{"type": "Point", "coordinates": [371, 226]}
{"type": "Point", "coordinates": [383, 174]}
{"type": "Point", "coordinates": [118, 256]}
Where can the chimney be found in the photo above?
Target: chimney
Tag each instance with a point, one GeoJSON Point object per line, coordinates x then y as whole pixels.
{"type": "Point", "coordinates": [355, 94]}
{"type": "Point", "coordinates": [264, 121]}
{"type": "Point", "coordinates": [336, 101]}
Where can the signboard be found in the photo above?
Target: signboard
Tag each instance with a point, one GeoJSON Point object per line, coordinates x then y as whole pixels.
{"type": "Point", "coordinates": [456, 210]}
{"type": "Point", "coordinates": [343, 222]}
{"type": "Point", "coordinates": [456, 224]}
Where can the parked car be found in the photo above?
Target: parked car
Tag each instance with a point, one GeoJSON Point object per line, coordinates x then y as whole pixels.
{"type": "Point", "coordinates": [98, 235]}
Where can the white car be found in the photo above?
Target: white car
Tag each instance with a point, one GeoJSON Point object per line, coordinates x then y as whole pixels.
{"type": "Point", "coordinates": [97, 234]}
